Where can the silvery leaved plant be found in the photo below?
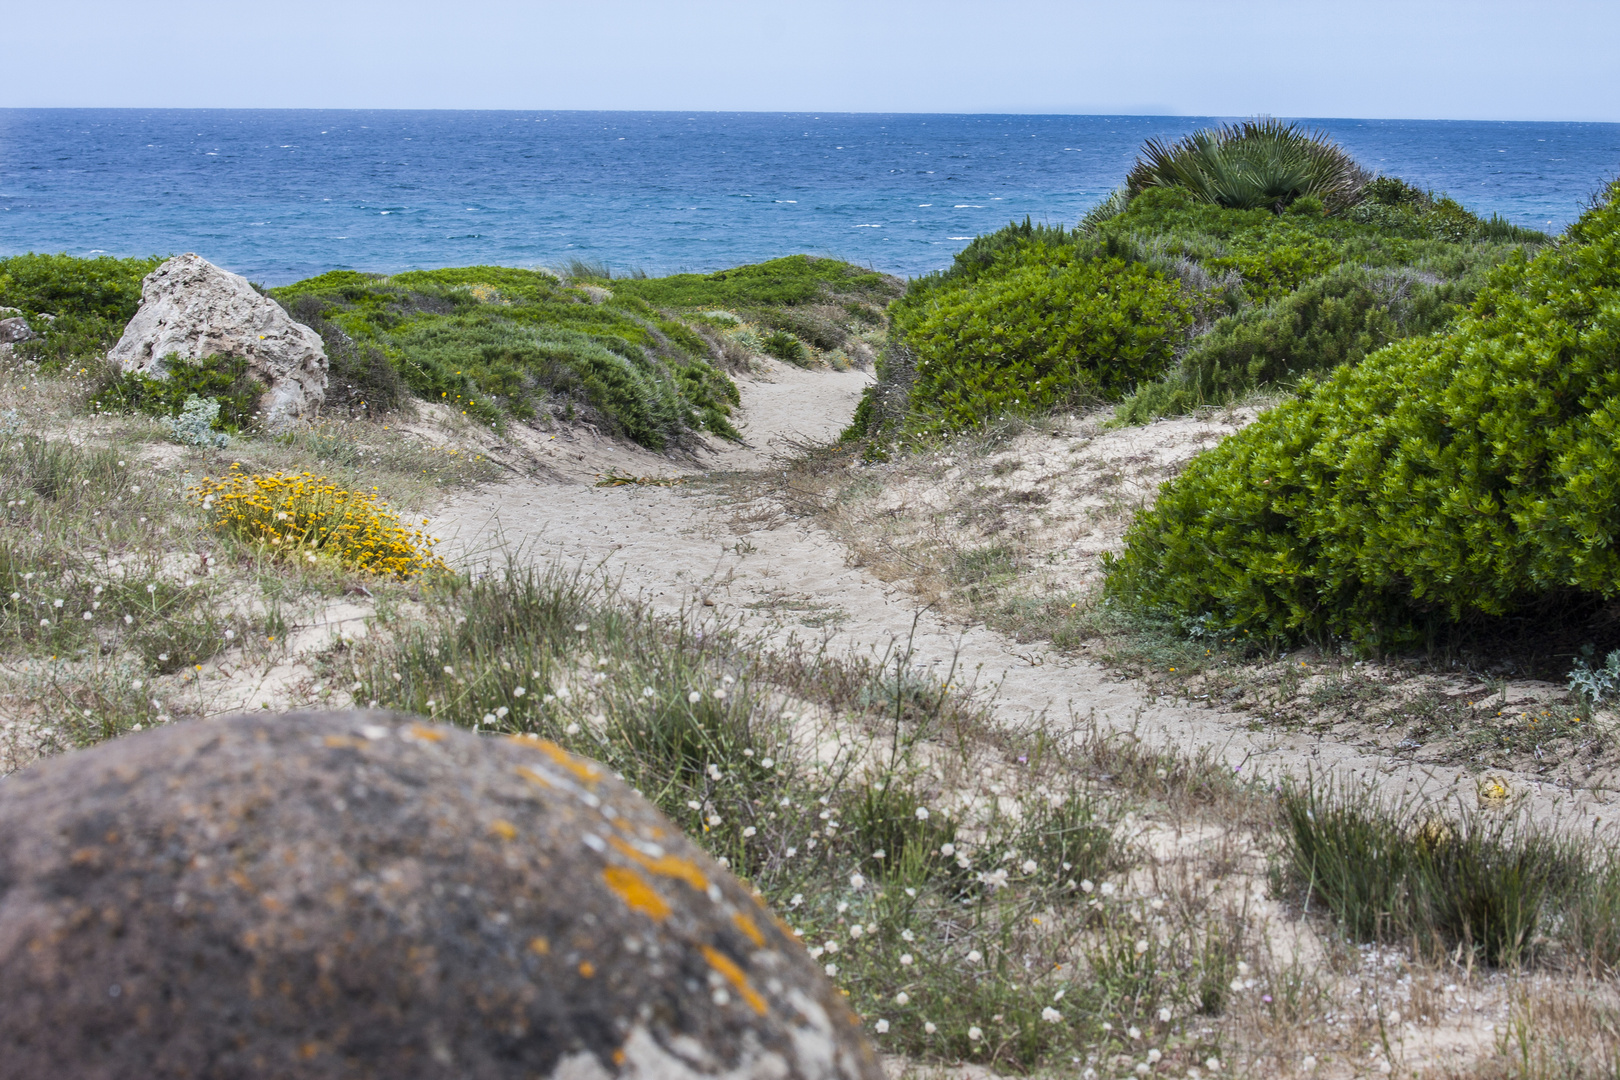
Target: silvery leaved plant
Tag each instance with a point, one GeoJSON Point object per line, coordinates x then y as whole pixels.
{"type": "Point", "coordinates": [195, 424]}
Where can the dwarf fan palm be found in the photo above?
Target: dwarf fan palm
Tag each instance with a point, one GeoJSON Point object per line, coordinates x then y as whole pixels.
{"type": "Point", "coordinates": [1256, 164]}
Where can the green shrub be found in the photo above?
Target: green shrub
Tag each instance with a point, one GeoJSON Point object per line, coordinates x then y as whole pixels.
{"type": "Point", "coordinates": [1467, 473]}
{"type": "Point", "coordinates": [1258, 164]}
{"type": "Point", "coordinates": [1337, 318]}
{"type": "Point", "coordinates": [1056, 329]}
{"type": "Point", "coordinates": [222, 379]}
{"type": "Point", "coordinates": [62, 285]}
{"type": "Point", "coordinates": [495, 342]}
{"type": "Point", "coordinates": [787, 282]}
{"type": "Point", "coordinates": [92, 301]}
{"type": "Point", "coordinates": [785, 346]}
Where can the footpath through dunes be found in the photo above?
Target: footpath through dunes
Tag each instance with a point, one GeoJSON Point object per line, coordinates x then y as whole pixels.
{"type": "Point", "coordinates": [728, 543]}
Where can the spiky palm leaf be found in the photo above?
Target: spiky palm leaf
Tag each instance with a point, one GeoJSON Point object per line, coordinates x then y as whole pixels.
{"type": "Point", "coordinates": [1252, 165]}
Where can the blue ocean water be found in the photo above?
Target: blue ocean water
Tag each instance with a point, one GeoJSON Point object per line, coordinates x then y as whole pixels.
{"type": "Point", "coordinates": [283, 194]}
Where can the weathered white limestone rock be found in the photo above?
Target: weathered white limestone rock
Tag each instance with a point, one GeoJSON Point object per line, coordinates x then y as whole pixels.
{"type": "Point", "coordinates": [192, 309]}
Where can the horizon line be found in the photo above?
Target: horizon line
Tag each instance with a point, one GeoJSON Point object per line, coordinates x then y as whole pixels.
{"type": "Point", "coordinates": [782, 112]}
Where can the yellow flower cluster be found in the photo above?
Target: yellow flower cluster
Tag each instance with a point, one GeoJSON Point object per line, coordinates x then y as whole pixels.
{"type": "Point", "coordinates": [302, 514]}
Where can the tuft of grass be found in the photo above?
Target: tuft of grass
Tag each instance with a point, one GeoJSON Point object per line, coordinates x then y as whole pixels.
{"type": "Point", "coordinates": [1487, 884]}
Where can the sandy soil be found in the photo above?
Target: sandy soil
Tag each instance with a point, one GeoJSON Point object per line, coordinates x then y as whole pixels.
{"type": "Point", "coordinates": [781, 574]}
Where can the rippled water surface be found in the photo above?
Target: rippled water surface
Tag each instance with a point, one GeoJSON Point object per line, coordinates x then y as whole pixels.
{"type": "Point", "coordinates": [279, 195]}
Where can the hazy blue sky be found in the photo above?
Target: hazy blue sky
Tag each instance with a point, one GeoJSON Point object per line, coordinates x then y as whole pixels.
{"type": "Point", "coordinates": [1485, 59]}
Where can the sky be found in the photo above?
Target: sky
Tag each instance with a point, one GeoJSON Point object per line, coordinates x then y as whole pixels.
{"type": "Point", "coordinates": [1481, 60]}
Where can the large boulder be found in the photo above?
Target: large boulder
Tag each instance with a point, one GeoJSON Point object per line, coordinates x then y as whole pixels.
{"type": "Point", "coordinates": [369, 895]}
{"type": "Point", "coordinates": [192, 309]}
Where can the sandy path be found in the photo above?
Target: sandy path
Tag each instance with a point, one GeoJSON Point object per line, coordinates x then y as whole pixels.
{"type": "Point", "coordinates": [787, 578]}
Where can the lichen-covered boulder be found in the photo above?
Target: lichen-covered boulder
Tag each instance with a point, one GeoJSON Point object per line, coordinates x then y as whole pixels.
{"type": "Point", "coordinates": [192, 309]}
{"type": "Point", "coordinates": [368, 895]}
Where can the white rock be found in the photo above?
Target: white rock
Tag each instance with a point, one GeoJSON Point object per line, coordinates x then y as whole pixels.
{"type": "Point", "coordinates": [192, 309]}
{"type": "Point", "coordinates": [14, 329]}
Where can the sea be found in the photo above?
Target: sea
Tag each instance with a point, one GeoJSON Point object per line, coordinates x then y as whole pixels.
{"type": "Point", "coordinates": [279, 195]}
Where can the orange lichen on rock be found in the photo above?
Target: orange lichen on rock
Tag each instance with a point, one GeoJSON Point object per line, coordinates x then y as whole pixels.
{"type": "Point", "coordinates": [576, 765]}
{"type": "Point", "coordinates": [665, 865]}
{"type": "Point", "coordinates": [636, 893]}
{"type": "Point", "coordinates": [734, 975]}
{"type": "Point", "coordinates": [503, 829]}
{"type": "Point", "coordinates": [532, 777]}
{"type": "Point", "coordinates": [749, 927]}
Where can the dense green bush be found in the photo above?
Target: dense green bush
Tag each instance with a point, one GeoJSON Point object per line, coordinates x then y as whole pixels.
{"type": "Point", "coordinates": [1334, 319]}
{"type": "Point", "coordinates": [1053, 329]}
{"type": "Point", "coordinates": [1466, 473]}
{"type": "Point", "coordinates": [92, 300]}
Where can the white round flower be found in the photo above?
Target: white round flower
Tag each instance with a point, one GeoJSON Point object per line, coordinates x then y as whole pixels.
{"type": "Point", "coordinates": [947, 850]}
{"type": "Point", "coordinates": [646, 691]}
{"type": "Point", "coordinates": [975, 1034]}
{"type": "Point", "coordinates": [1213, 1064]}
{"type": "Point", "coordinates": [571, 729]}
{"type": "Point", "coordinates": [857, 881]}
{"type": "Point", "coordinates": [974, 956]}
{"type": "Point", "coordinates": [518, 691]}
{"type": "Point", "coordinates": [1086, 885]}
{"type": "Point", "coordinates": [714, 821]}
{"type": "Point", "coordinates": [905, 959]}
{"type": "Point", "coordinates": [1051, 1015]}
{"type": "Point", "coordinates": [767, 762]}
{"type": "Point", "coordinates": [1108, 888]}
{"type": "Point", "coordinates": [1309, 1063]}
{"type": "Point", "coordinates": [902, 998]}
{"type": "Point", "coordinates": [857, 930]}
{"type": "Point", "coordinates": [1141, 946]}
{"type": "Point", "coordinates": [1154, 1056]}
{"type": "Point", "coordinates": [1164, 1016]}
{"type": "Point", "coordinates": [922, 813]}
{"type": "Point", "coordinates": [1029, 866]}
{"type": "Point", "coordinates": [907, 935]}
{"type": "Point", "coordinates": [832, 969]}
{"type": "Point", "coordinates": [1134, 1032]}
{"type": "Point", "coordinates": [749, 831]}
{"type": "Point", "coordinates": [929, 1028]}
{"type": "Point", "coordinates": [881, 1027]}
{"type": "Point", "coordinates": [693, 698]}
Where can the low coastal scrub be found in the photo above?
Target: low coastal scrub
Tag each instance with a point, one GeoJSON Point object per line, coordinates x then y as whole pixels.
{"type": "Point", "coordinates": [1457, 476]}
{"type": "Point", "coordinates": [1265, 275]}
{"type": "Point", "coordinates": [85, 303]}
{"type": "Point", "coordinates": [640, 357]}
